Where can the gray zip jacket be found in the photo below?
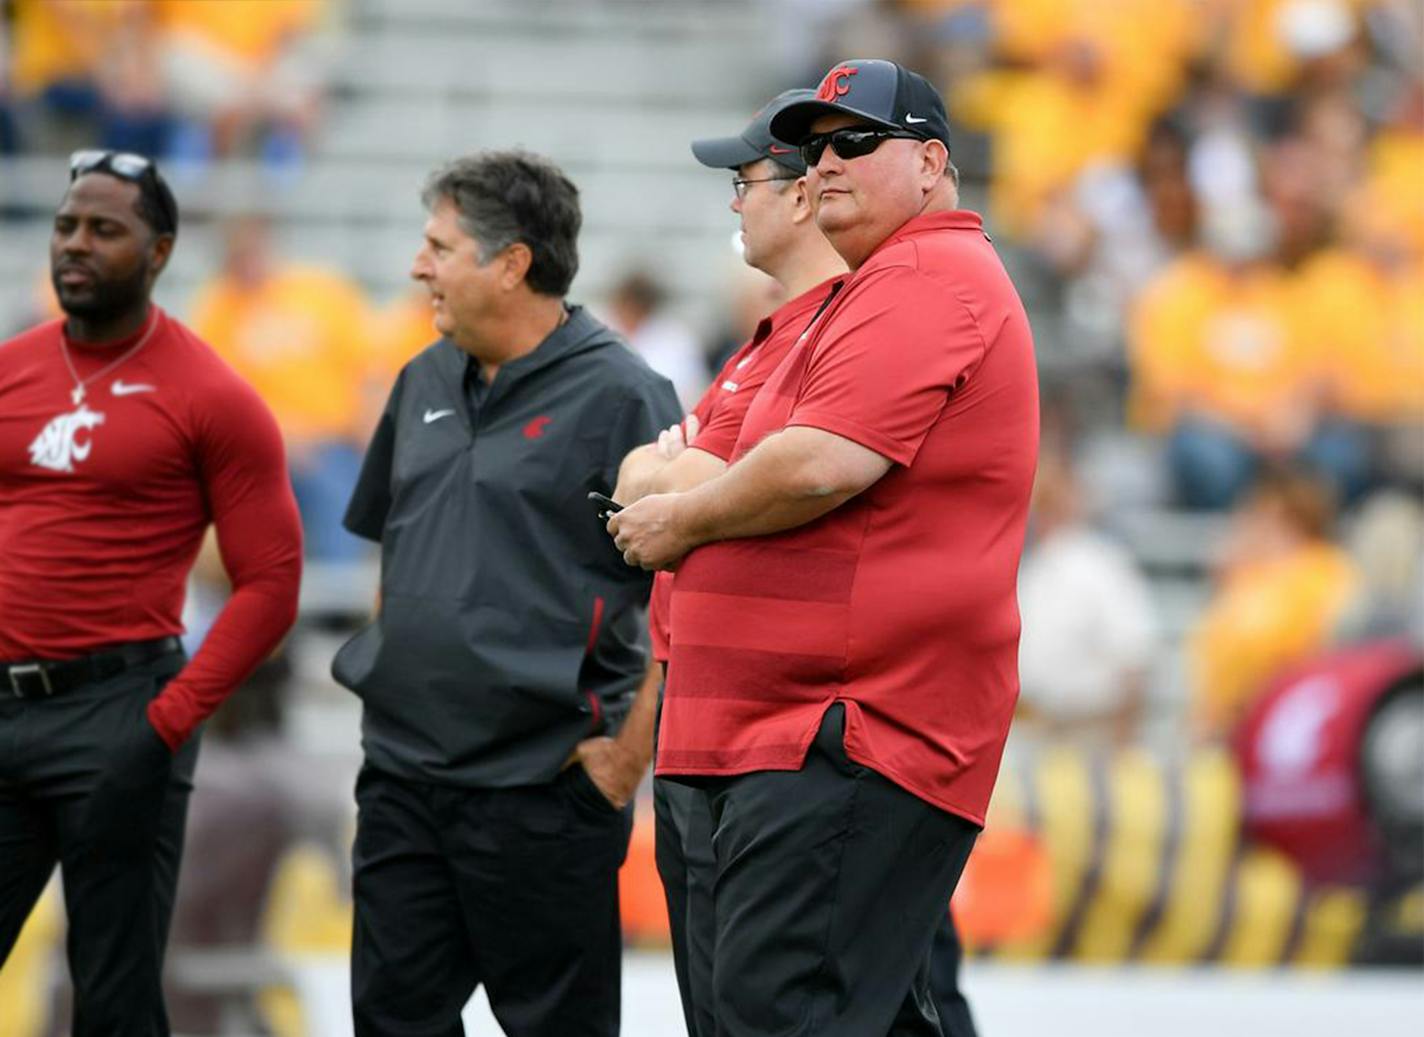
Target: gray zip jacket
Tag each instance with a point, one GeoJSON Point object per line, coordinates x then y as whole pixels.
{"type": "Point", "coordinates": [510, 627]}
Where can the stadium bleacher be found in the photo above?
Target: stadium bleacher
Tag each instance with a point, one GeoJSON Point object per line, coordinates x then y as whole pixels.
{"type": "Point", "coordinates": [415, 83]}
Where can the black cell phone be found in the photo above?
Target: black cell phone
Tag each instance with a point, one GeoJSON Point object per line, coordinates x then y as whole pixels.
{"type": "Point", "coordinates": [606, 505]}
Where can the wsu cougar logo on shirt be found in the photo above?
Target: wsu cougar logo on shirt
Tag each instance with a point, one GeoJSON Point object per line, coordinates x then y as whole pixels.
{"type": "Point", "coordinates": [59, 446]}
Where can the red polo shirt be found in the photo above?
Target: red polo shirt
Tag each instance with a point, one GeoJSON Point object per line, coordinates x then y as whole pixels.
{"type": "Point", "coordinates": [901, 602]}
{"type": "Point", "coordinates": [723, 406]}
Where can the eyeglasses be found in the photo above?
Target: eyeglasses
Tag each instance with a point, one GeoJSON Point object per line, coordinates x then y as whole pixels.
{"type": "Point", "coordinates": [740, 183]}
{"type": "Point", "coordinates": [849, 143]}
{"type": "Point", "coordinates": [136, 169]}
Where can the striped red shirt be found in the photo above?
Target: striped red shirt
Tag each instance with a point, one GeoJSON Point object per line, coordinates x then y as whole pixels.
{"type": "Point", "coordinates": [724, 405]}
{"type": "Point", "coordinates": [901, 602]}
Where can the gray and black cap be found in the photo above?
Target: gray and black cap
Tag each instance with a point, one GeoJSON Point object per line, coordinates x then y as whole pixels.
{"type": "Point", "coordinates": [880, 92]}
{"type": "Point", "coordinates": [756, 141]}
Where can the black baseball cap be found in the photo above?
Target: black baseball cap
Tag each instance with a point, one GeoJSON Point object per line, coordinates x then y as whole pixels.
{"type": "Point", "coordinates": [880, 92]}
{"type": "Point", "coordinates": [756, 141]}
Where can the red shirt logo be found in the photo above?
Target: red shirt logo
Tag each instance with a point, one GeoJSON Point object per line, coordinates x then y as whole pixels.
{"type": "Point", "coordinates": [536, 428]}
{"type": "Point", "coordinates": [836, 84]}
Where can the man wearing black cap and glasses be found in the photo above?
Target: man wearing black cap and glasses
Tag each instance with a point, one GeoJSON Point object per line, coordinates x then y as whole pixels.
{"type": "Point", "coordinates": [843, 667]}
{"type": "Point", "coordinates": [779, 237]}
{"type": "Point", "coordinates": [122, 436]}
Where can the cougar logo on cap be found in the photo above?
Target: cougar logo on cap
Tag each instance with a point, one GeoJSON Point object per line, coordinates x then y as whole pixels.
{"type": "Point", "coordinates": [835, 84]}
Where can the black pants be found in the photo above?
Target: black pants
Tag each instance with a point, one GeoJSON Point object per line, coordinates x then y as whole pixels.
{"type": "Point", "coordinates": [513, 888]}
{"type": "Point", "coordinates": [955, 1019]}
{"type": "Point", "coordinates": [689, 871]}
{"type": "Point", "coordinates": [831, 882]}
{"type": "Point", "coordinates": [86, 782]}
{"type": "Point", "coordinates": [683, 848]}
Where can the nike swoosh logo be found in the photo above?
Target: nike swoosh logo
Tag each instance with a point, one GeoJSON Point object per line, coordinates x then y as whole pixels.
{"type": "Point", "coordinates": [436, 415]}
{"type": "Point", "coordinates": [120, 388]}
{"type": "Point", "coordinates": [779, 151]}
{"type": "Point", "coordinates": [911, 118]}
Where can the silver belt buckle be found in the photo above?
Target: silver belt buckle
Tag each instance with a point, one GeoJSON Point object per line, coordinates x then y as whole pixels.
{"type": "Point", "coordinates": [16, 672]}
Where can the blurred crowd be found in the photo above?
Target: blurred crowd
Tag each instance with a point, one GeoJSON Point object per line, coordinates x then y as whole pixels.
{"type": "Point", "coordinates": [183, 82]}
{"type": "Point", "coordinates": [1228, 196]}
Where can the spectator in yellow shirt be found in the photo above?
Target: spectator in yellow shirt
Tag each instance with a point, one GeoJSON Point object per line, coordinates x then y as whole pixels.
{"type": "Point", "coordinates": [1271, 46]}
{"type": "Point", "coordinates": [1365, 300]}
{"type": "Point", "coordinates": [1283, 586]}
{"type": "Point", "coordinates": [244, 72]}
{"type": "Point", "coordinates": [403, 329]}
{"type": "Point", "coordinates": [1396, 168]}
{"type": "Point", "coordinates": [400, 331]}
{"type": "Point", "coordinates": [90, 67]}
{"type": "Point", "coordinates": [1026, 113]}
{"type": "Point", "coordinates": [1224, 363]}
{"type": "Point", "coordinates": [300, 335]}
{"type": "Point", "coordinates": [1078, 85]}
{"type": "Point", "coordinates": [1111, 234]}
{"type": "Point", "coordinates": [60, 45]}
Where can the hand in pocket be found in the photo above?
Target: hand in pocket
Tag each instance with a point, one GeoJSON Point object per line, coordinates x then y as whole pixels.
{"type": "Point", "coordinates": [128, 792]}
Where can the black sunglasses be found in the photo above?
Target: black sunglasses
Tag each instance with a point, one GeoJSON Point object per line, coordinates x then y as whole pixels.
{"type": "Point", "coordinates": [849, 143]}
{"type": "Point", "coordinates": [136, 169]}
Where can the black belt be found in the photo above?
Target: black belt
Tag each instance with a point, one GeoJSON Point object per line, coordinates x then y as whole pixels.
{"type": "Point", "coordinates": [42, 679]}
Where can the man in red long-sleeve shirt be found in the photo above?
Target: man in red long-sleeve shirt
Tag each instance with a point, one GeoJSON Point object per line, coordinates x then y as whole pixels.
{"type": "Point", "coordinates": [122, 436]}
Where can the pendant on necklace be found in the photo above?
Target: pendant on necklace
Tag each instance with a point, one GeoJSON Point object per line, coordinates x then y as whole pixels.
{"type": "Point", "coordinates": [77, 395]}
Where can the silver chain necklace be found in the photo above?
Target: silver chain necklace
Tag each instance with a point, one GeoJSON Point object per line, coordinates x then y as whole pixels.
{"type": "Point", "coordinates": [77, 395]}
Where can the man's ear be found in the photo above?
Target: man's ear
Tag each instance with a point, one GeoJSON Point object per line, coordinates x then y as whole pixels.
{"type": "Point", "coordinates": [515, 260]}
{"type": "Point", "coordinates": [934, 159]}
{"type": "Point", "coordinates": [801, 202]}
{"type": "Point", "coordinates": [159, 251]}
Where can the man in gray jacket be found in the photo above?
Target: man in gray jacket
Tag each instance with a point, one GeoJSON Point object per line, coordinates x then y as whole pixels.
{"type": "Point", "coordinates": [507, 711]}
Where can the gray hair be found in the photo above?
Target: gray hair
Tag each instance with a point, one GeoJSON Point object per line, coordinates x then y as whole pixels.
{"type": "Point", "coordinates": [514, 197]}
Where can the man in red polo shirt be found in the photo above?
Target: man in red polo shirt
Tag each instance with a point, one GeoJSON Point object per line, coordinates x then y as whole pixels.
{"type": "Point", "coordinates": [844, 666]}
{"type": "Point", "coordinates": [779, 237]}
